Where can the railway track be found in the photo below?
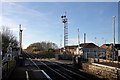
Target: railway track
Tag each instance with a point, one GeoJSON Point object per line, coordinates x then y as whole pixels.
{"type": "Point", "coordinates": [54, 75]}
{"type": "Point", "coordinates": [58, 71]}
{"type": "Point", "coordinates": [88, 76]}
{"type": "Point", "coordinates": [64, 72]}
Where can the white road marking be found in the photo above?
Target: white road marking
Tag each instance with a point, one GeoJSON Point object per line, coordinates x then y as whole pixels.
{"type": "Point", "coordinates": [27, 76]}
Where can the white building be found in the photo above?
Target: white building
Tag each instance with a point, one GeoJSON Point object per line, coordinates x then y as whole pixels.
{"type": "Point", "coordinates": [90, 50]}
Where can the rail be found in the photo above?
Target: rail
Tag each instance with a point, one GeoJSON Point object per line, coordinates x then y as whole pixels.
{"type": "Point", "coordinates": [33, 62]}
{"type": "Point", "coordinates": [69, 71]}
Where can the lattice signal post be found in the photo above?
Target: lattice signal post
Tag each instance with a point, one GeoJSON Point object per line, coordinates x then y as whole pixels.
{"type": "Point", "coordinates": [65, 22]}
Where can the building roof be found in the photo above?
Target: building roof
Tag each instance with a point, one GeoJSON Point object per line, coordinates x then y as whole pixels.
{"type": "Point", "coordinates": [72, 46]}
{"type": "Point", "coordinates": [110, 45]}
{"type": "Point", "coordinates": [105, 46]}
{"type": "Point", "coordinates": [84, 45]}
{"type": "Point", "coordinates": [88, 45]}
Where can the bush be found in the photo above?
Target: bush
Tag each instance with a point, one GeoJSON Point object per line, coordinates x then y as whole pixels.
{"type": "Point", "coordinates": [45, 55]}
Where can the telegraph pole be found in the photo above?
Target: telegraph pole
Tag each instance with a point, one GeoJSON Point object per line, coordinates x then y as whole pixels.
{"type": "Point", "coordinates": [65, 22]}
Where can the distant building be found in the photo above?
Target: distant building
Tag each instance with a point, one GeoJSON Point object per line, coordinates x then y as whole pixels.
{"type": "Point", "coordinates": [90, 50]}
{"type": "Point", "coordinates": [109, 49]}
{"type": "Point", "coordinates": [71, 49]}
{"type": "Point", "coordinates": [105, 46]}
{"type": "Point", "coordinates": [87, 50]}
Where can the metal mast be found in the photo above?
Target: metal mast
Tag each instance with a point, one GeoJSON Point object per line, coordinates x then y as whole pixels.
{"type": "Point", "coordinates": [20, 39]}
{"type": "Point", "coordinates": [78, 38]}
{"type": "Point", "coordinates": [84, 37]}
{"type": "Point", "coordinates": [65, 22]}
{"type": "Point", "coordinates": [78, 41]}
{"type": "Point", "coordinates": [113, 26]}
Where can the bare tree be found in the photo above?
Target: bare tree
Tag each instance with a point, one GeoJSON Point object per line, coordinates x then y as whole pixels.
{"type": "Point", "coordinates": [7, 38]}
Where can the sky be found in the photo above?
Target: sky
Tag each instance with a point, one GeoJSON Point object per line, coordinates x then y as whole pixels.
{"type": "Point", "coordinates": [41, 21]}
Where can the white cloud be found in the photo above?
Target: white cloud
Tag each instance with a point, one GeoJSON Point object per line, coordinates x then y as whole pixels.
{"type": "Point", "coordinates": [16, 9]}
{"type": "Point", "coordinates": [25, 15]}
{"type": "Point", "coordinates": [12, 25]}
